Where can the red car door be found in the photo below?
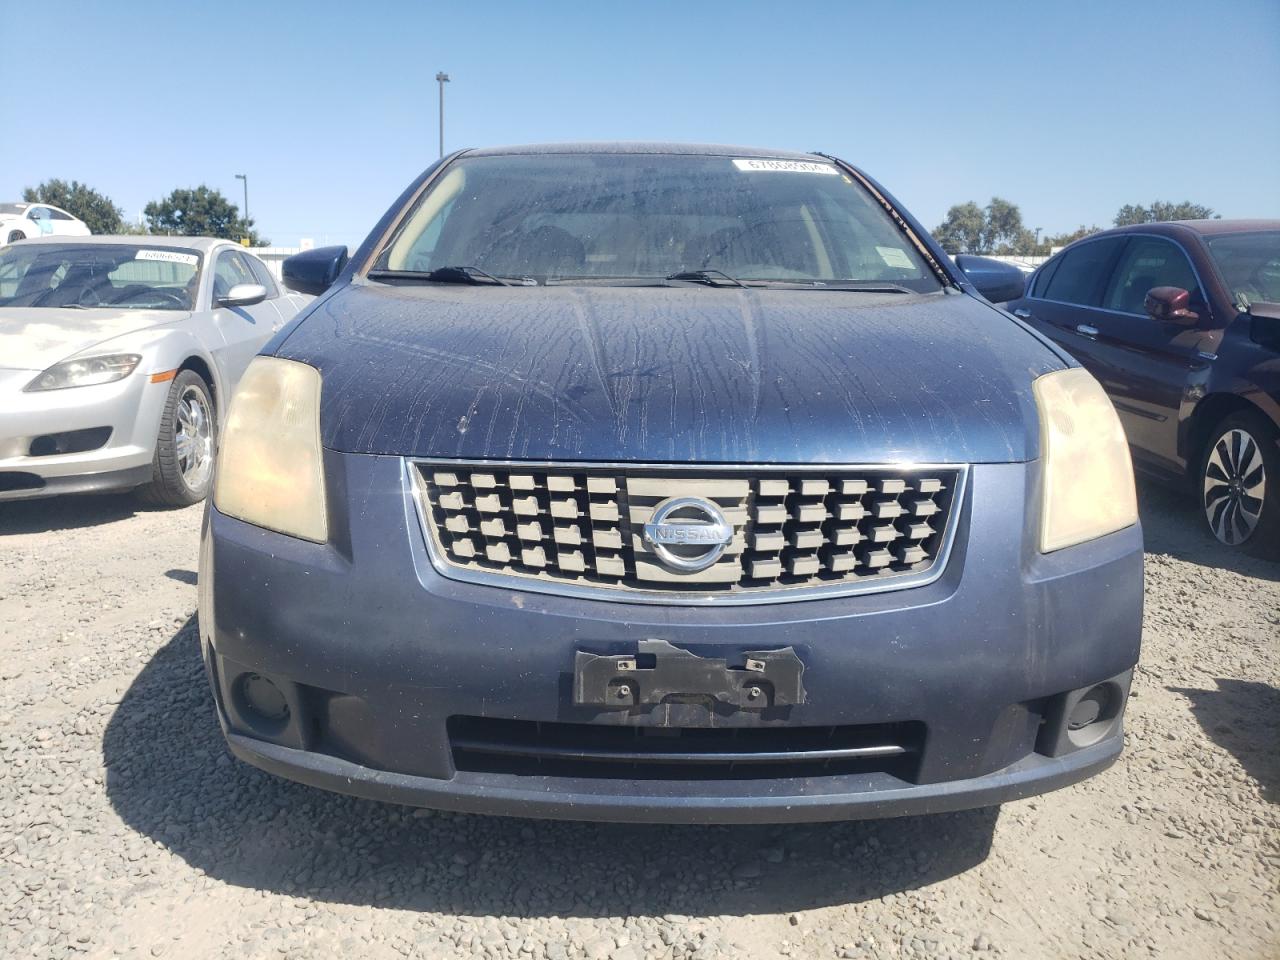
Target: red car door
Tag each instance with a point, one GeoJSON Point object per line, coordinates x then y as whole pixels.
{"type": "Point", "coordinates": [1064, 297]}
{"type": "Point", "coordinates": [1143, 363]}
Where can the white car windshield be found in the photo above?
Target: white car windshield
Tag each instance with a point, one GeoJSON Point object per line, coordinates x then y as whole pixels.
{"type": "Point", "coordinates": [91, 276]}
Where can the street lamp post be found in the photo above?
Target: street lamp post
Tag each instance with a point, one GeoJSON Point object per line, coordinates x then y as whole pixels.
{"type": "Point", "coordinates": [1036, 249]}
{"type": "Point", "coordinates": [245, 178]}
{"type": "Point", "coordinates": [442, 79]}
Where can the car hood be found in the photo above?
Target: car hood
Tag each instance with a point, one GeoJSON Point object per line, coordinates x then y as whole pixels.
{"type": "Point", "coordinates": [34, 338]}
{"type": "Point", "coordinates": [671, 375]}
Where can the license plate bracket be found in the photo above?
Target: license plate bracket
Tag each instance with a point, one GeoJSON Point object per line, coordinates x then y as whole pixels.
{"type": "Point", "coordinates": [660, 672]}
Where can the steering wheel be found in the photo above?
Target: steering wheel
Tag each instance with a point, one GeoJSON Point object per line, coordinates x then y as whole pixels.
{"type": "Point", "coordinates": [732, 235]}
{"type": "Point", "coordinates": [88, 298]}
{"type": "Point", "coordinates": [177, 299]}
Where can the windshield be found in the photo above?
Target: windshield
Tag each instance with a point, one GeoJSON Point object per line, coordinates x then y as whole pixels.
{"type": "Point", "coordinates": [1250, 265]}
{"type": "Point", "coordinates": [12, 208]}
{"type": "Point", "coordinates": [87, 276]}
{"type": "Point", "coordinates": [558, 217]}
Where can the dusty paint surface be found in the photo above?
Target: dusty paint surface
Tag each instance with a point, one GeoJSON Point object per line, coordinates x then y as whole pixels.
{"type": "Point", "coordinates": [679, 374]}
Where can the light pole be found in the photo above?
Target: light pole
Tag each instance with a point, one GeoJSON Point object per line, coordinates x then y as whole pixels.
{"type": "Point", "coordinates": [245, 178]}
{"type": "Point", "coordinates": [1035, 251]}
{"type": "Point", "coordinates": [442, 79]}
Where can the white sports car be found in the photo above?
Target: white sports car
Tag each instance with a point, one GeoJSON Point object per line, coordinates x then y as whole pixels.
{"type": "Point", "coordinates": [118, 356]}
{"type": "Point", "coordinates": [20, 221]}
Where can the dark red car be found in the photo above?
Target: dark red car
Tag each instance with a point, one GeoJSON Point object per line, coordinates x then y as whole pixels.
{"type": "Point", "coordinates": [1181, 324]}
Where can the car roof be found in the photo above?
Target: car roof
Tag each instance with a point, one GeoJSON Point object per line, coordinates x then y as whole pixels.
{"type": "Point", "coordinates": [1207, 228]}
{"type": "Point", "coordinates": [183, 243]}
{"type": "Point", "coordinates": [639, 147]}
{"type": "Point", "coordinates": [24, 204]}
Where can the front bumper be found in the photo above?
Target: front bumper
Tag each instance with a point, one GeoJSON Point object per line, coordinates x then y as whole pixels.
{"type": "Point", "coordinates": [378, 655]}
{"type": "Point", "coordinates": [130, 409]}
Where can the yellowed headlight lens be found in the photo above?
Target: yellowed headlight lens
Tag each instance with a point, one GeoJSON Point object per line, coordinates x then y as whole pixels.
{"type": "Point", "coordinates": [1088, 476]}
{"type": "Point", "coordinates": [270, 471]}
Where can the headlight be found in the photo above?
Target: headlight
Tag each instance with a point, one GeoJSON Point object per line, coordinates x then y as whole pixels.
{"type": "Point", "coordinates": [85, 372]}
{"type": "Point", "coordinates": [269, 466]}
{"type": "Point", "coordinates": [1088, 476]}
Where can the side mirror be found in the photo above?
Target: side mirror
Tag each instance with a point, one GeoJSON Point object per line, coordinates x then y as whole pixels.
{"type": "Point", "coordinates": [998, 282]}
{"type": "Point", "coordinates": [1169, 305]}
{"type": "Point", "coordinates": [314, 271]}
{"type": "Point", "coordinates": [243, 295]}
{"type": "Point", "coordinates": [1264, 324]}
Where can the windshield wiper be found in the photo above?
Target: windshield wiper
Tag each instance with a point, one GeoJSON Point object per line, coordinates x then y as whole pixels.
{"type": "Point", "coordinates": [865, 286]}
{"type": "Point", "coordinates": [709, 277]}
{"type": "Point", "coordinates": [718, 278]}
{"type": "Point", "coordinates": [471, 275]}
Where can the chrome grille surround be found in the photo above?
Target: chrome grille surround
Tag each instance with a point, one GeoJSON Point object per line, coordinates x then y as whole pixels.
{"type": "Point", "coordinates": [801, 532]}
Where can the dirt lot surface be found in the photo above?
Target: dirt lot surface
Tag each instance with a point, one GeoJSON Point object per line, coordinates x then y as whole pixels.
{"type": "Point", "coordinates": [127, 830]}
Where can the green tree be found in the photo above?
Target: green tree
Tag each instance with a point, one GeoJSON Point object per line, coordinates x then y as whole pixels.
{"type": "Point", "coordinates": [969, 228]}
{"type": "Point", "coordinates": [1062, 239]}
{"type": "Point", "coordinates": [80, 200]}
{"type": "Point", "coordinates": [963, 229]}
{"type": "Point", "coordinates": [1004, 233]}
{"type": "Point", "coordinates": [1161, 211]}
{"type": "Point", "coordinates": [200, 212]}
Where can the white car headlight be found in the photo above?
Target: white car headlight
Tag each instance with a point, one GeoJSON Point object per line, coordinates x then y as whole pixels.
{"type": "Point", "coordinates": [270, 472]}
{"type": "Point", "coordinates": [1088, 476]}
{"type": "Point", "coordinates": [85, 372]}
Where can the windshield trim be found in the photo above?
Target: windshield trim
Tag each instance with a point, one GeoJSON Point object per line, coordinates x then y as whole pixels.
{"type": "Point", "coordinates": [397, 219]}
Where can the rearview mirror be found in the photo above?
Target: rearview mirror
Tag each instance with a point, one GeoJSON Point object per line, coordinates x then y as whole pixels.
{"type": "Point", "coordinates": [314, 271]}
{"type": "Point", "coordinates": [998, 282]}
{"type": "Point", "coordinates": [243, 295]}
{"type": "Point", "coordinates": [1169, 305]}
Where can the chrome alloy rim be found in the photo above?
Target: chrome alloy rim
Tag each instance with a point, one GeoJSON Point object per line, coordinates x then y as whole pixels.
{"type": "Point", "coordinates": [194, 438]}
{"type": "Point", "coordinates": [1235, 486]}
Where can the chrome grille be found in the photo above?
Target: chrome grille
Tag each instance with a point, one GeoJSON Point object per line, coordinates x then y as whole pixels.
{"type": "Point", "coordinates": [562, 527]}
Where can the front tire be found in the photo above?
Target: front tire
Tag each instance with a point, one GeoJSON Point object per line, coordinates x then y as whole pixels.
{"type": "Point", "coordinates": [183, 468]}
{"type": "Point", "coordinates": [15, 236]}
{"type": "Point", "coordinates": [1239, 484]}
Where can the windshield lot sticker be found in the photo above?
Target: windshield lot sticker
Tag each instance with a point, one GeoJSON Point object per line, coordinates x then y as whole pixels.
{"type": "Point", "coordinates": [752, 165]}
{"type": "Point", "coordinates": [168, 256]}
{"type": "Point", "coordinates": [895, 257]}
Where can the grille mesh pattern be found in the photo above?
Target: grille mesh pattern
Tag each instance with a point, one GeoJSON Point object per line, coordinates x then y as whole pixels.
{"type": "Point", "coordinates": [585, 526]}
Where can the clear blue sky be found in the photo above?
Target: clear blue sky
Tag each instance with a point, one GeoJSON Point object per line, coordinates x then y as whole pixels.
{"type": "Point", "coordinates": [1068, 109]}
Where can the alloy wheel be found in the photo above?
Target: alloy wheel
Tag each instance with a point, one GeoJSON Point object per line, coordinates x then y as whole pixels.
{"type": "Point", "coordinates": [1235, 486]}
{"type": "Point", "coordinates": [193, 439]}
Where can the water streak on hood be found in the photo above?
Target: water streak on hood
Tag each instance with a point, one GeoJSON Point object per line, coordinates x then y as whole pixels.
{"type": "Point", "coordinates": [682, 374]}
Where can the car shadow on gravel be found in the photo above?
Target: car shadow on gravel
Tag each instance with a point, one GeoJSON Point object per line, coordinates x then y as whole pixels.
{"type": "Point", "coordinates": [1243, 717]}
{"type": "Point", "coordinates": [73, 512]}
{"type": "Point", "coordinates": [170, 777]}
{"type": "Point", "coordinates": [1171, 524]}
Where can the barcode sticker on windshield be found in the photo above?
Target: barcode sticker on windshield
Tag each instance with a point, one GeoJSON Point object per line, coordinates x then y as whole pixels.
{"type": "Point", "coordinates": [753, 165]}
{"type": "Point", "coordinates": [895, 257]}
{"type": "Point", "coordinates": [168, 256]}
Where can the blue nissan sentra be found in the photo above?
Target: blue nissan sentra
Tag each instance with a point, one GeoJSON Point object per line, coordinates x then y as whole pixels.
{"type": "Point", "coordinates": [652, 482]}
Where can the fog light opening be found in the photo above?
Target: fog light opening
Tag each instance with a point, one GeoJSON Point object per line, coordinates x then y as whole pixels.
{"type": "Point", "coordinates": [1092, 716]}
{"type": "Point", "coordinates": [262, 702]}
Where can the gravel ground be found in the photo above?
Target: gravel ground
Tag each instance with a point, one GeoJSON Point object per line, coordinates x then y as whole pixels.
{"type": "Point", "coordinates": [127, 830]}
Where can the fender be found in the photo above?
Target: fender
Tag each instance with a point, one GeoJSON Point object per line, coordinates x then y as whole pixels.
{"type": "Point", "coordinates": [166, 348]}
{"type": "Point", "coordinates": [10, 223]}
